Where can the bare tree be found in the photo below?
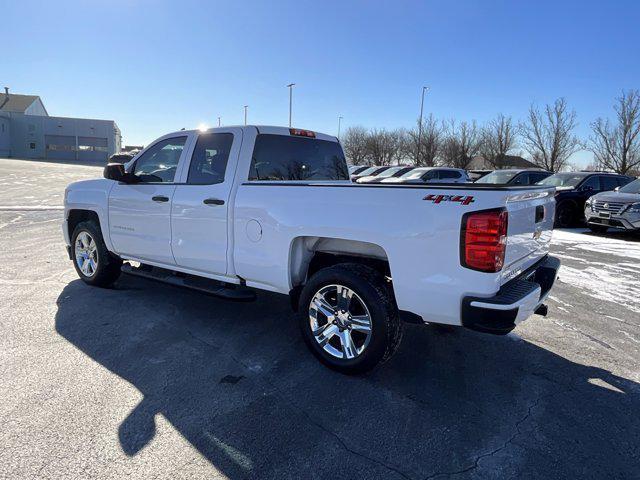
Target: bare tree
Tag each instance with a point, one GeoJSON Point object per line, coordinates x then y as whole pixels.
{"type": "Point", "coordinates": [461, 144]}
{"type": "Point", "coordinates": [425, 154]}
{"type": "Point", "coordinates": [617, 147]}
{"type": "Point", "coordinates": [498, 138]}
{"type": "Point", "coordinates": [548, 135]}
{"type": "Point", "coordinates": [354, 144]}
{"type": "Point", "coordinates": [383, 146]}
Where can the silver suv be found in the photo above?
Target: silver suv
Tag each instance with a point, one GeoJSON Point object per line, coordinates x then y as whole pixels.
{"type": "Point", "coordinates": [619, 209]}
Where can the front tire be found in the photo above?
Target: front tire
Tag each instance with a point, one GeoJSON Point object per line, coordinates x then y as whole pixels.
{"type": "Point", "coordinates": [349, 319]}
{"type": "Point", "coordinates": [94, 264]}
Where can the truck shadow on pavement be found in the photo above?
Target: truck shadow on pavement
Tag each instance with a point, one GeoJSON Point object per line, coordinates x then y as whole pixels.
{"type": "Point", "coordinates": [236, 381]}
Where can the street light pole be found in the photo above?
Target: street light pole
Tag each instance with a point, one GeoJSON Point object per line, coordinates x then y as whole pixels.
{"type": "Point", "coordinates": [424, 89]}
{"type": "Point", "coordinates": [218, 121]}
{"type": "Point", "coordinates": [339, 121]}
{"type": "Point", "coordinates": [290, 86]}
{"type": "Point", "coordinates": [245, 114]}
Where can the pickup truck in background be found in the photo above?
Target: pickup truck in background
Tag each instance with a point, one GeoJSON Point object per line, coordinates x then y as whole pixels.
{"type": "Point", "coordinates": [231, 210]}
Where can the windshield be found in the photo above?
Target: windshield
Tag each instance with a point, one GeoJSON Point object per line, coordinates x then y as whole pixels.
{"type": "Point", "coordinates": [415, 173]}
{"type": "Point", "coordinates": [633, 187]}
{"type": "Point", "coordinates": [389, 172]}
{"type": "Point", "coordinates": [498, 177]}
{"type": "Point", "coordinates": [563, 180]}
{"type": "Point", "coordinates": [368, 171]}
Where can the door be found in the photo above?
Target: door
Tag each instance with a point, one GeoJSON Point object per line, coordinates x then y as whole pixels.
{"type": "Point", "coordinates": [140, 213]}
{"type": "Point", "coordinates": [200, 207]}
{"type": "Point", "coordinates": [60, 147]}
{"type": "Point", "coordinates": [92, 148]}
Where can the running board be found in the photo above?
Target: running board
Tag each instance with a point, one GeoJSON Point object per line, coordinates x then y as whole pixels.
{"type": "Point", "coordinates": [204, 285]}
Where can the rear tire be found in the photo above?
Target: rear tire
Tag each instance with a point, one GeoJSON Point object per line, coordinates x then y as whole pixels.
{"type": "Point", "coordinates": [349, 319]}
{"type": "Point", "coordinates": [598, 228]}
{"type": "Point", "coordinates": [94, 263]}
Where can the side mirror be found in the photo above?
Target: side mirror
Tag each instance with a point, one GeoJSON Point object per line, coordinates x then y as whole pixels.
{"type": "Point", "coordinates": [116, 171]}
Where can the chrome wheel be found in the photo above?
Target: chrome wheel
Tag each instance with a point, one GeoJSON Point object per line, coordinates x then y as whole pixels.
{"type": "Point", "coordinates": [86, 254]}
{"type": "Point", "coordinates": [340, 321]}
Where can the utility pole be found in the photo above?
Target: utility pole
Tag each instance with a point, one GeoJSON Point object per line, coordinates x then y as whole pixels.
{"type": "Point", "coordinates": [218, 121]}
{"type": "Point", "coordinates": [290, 86]}
{"type": "Point", "coordinates": [245, 114]}
{"type": "Point", "coordinates": [424, 89]}
{"type": "Point", "coordinates": [339, 121]}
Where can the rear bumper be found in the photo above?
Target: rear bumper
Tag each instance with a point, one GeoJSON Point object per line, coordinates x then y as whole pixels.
{"type": "Point", "coordinates": [516, 301]}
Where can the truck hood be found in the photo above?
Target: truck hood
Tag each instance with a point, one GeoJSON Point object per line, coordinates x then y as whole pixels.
{"type": "Point", "coordinates": [617, 197]}
{"type": "Point", "coordinates": [92, 184]}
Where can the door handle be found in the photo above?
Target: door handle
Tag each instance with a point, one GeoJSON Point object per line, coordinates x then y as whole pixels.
{"type": "Point", "coordinates": [213, 201]}
{"type": "Point", "coordinates": [160, 198]}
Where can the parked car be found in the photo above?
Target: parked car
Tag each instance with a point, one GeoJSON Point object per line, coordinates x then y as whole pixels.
{"type": "Point", "coordinates": [121, 157]}
{"type": "Point", "coordinates": [431, 175]}
{"type": "Point", "coordinates": [617, 209]}
{"type": "Point", "coordinates": [369, 172]}
{"type": "Point", "coordinates": [389, 173]}
{"type": "Point", "coordinates": [234, 209]}
{"type": "Point", "coordinates": [574, 188]}
{"type": "Point", "coordinates": [520, 176]}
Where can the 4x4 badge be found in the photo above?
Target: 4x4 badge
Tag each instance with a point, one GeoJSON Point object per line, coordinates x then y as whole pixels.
{"type": "Point", "coordinates": [463, 199]}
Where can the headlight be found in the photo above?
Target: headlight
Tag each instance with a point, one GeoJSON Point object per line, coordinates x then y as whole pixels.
{"type": "Point", "coordinates": [634, 208]}
{"type": "Point", "coordinates": [589, 201]}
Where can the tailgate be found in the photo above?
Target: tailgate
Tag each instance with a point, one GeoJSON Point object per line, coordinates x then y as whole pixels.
{"type": "Point", "coordinates": [529, 232]}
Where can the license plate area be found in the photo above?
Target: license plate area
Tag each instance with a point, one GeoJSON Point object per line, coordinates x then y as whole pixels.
{"type": "Point", "coordinates": [604, 214]}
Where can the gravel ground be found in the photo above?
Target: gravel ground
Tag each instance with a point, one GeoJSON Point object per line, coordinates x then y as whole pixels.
{"type": "Point", "coordinates": [149, 381]}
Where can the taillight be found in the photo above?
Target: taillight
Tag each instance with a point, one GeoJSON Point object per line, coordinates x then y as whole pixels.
{"type": "Point", "coordinates": [302, 133]}
{"type": "Point", "coordinates": [483, 240]}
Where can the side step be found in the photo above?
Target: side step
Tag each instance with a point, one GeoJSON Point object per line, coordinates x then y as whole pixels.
{"type": "Point", "coordinates": [204, 285]}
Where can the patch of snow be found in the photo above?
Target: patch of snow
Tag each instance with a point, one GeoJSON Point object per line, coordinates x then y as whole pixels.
{"type": "Point", "coordinates": [575, 239]}
{"type": "Point", "coordinates": [617, 287]}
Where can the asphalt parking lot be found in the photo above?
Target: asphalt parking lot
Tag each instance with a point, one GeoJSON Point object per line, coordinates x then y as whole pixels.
{"type": "Point", "coordinates": [148, 381]}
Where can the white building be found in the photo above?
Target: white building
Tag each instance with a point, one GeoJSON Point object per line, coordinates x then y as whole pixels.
{"type": "Point", "coordinates": [27, 131]}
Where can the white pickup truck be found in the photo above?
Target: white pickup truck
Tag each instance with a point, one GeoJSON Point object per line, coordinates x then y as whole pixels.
{"type": "Point", "coordinates": [230, 210]}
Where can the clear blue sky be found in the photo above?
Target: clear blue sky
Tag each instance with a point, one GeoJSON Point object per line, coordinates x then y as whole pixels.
{"type": "Point", "coordinates": [157, 66]}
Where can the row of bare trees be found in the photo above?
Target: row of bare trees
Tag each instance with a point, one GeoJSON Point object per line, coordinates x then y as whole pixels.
{"type": "Point", "coordinates": [546, 135]}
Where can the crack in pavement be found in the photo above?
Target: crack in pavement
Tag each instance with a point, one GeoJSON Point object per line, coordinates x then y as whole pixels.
{"type": "Point", "coordinates": [344, 444]}
{"type": "Point", "coordinates": [577, 330]}
{"type": "Point", "coordinates": [479, 458]}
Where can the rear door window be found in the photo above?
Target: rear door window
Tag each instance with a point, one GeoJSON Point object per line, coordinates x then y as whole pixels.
{"type": "Point", "coordinates": [609, 183]}
{"type": "Point", "coordinates": [209, 158]}
{"type": "Point", "coordinates": [449, 174]}
{"type": "Point", "coordinates": [535, 177]}
{"type": "Point", "coordinates": [283, 157]}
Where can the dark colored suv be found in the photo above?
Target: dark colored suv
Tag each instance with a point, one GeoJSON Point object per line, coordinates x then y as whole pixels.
{"type": "Point", "coordinates": [574, 188]}
{"type": "Point", "coordinates": [515, 177]}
